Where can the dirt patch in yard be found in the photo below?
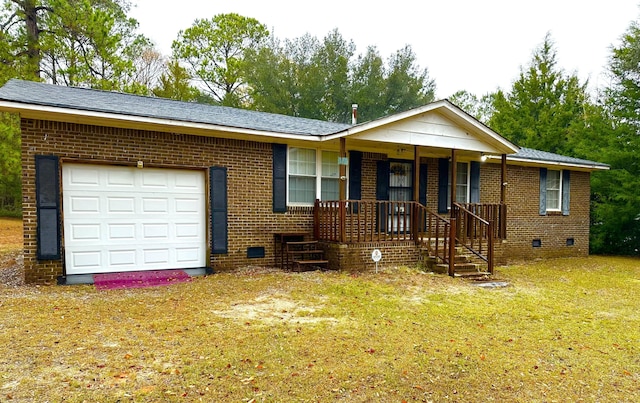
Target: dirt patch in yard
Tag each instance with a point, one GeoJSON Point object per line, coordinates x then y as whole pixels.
{"type": "Point", "coordinates": [273, 308]}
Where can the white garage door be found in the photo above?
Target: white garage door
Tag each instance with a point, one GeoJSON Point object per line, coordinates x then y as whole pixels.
{"type": "Point", "coordinates": [129, 219]}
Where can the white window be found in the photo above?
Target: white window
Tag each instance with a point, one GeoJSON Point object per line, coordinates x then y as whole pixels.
{"type": "Point", "coordinates": [302, 176]}
{"type": "Point", "coordinates": [330, 184]}
{"type": "Point", "coordinates": [554, 190]}
{"type": "Point", "coordinates": [462, 183]}
{"type": "Point", "coordinates": [313, 174]}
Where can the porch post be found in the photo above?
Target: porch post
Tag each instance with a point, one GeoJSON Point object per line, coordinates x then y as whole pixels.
{"type": "Point", "coordinates": [343, 189]}
{"type": "Point", "coordinates": [343, 169]}
{"type": "Point", "coordinates": [452, 246]}
{"type": "Point", "coordinates": [502, 221]}
{"type": "Point", "coordinates": [416, 173]}
{"type": "Point", "coordinates": [454, 174]}
{"type": "Point", "coordinates": [503, 180]}
{"type": "Point", "coordinates": [416, 193]}
{"type": "Point", "coordinates": [452, 214]}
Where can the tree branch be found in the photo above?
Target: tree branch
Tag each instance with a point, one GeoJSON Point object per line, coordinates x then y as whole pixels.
{"type": "Point", "coordinates": [10, 22]}
{"type": "Point", "coordinates": [45, 8]}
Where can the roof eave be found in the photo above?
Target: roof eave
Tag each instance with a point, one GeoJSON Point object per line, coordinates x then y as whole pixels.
{"type": "Point", "coordinates": [552, 164]}
{"type": "Point", "coordinates": [70, 115]}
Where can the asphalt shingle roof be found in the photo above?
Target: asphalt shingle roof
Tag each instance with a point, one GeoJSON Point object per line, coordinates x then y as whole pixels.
{"type": "Point", "coordinates": [537, 155]}
{"type": "Point", "coordinates": [29, 92]}
{"type": "Point", "coordinates": [84, 99]}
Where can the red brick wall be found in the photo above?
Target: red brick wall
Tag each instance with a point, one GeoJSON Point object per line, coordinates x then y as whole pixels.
{"type": "Point", "coordinates": [524, 223]}
{"type": "Point", "coordinates": [357, 257]}
{"type": "Point", "coordinates": [369, 174]}
{"type": "Point", "coordinates": [251, 221]}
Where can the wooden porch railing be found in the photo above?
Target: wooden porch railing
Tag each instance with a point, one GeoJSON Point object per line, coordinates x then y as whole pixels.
{"type": "Point", "coordinates": [470, 225]}
{"type": "Point", "coordinates": [474, 233]}
{"type": "Point", "coordinates": [435, 233]}
{"type": "Point", "coordinates": [353, 221]}
{"type": "Point", "coordinates": [490, 212]}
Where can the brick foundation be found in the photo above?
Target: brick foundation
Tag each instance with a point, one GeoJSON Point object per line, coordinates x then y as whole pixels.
{"type": "Point", "coordinates": [357, 257]}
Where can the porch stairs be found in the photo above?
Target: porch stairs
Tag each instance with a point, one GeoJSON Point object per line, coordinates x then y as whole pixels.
{"type": "Point", "coordinates": [466, 264]}
{"type": "Point", "coordinates": [305, 255]}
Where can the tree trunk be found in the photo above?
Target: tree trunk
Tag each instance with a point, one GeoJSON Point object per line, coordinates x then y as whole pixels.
{"type": "Point", "coordinates": [33, 37]}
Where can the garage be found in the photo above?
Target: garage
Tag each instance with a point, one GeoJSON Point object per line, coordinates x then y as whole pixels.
{"type": "Point", "coordinates": [119, 219]}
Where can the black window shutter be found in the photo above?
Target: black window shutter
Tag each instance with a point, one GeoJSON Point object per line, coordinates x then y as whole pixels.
{"type": "Point", "coordinates": [355, 175]}
{"type": "Point", "coordinates": [382, 192]}
{"type": "Point", "coordinates": [218, 201]}
{"type": "Point", "coordinates": [279, 178]}
{"type": "Point", "coordinates": [543, 191]}
{"type": "Point", "coordinates": [443, 185]}
{"type": "Point", "coordinates": [48, 207]}
{"type": "Point", "coordinates": [382, 180]}
{"type": "Point", "coordinates": [474, 194]}
{"type": "Point", "coordinates": [566, 191]}
{"type": "Point", "coordinates": [422, 189]}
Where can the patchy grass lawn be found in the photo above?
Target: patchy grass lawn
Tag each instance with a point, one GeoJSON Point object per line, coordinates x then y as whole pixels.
{"type": "Point", "coordinates": [563, 330]}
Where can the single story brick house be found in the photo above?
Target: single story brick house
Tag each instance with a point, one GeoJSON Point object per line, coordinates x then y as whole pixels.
{"type": "Point", "coordinates": [116, 182]}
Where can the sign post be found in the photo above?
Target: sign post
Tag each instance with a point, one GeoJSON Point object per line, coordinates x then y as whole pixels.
{"type": "Point", "coordinates": [376, 255]}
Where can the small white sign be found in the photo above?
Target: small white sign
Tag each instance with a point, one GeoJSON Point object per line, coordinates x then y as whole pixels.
{"type": "Point", "coordinates": [376, 255]}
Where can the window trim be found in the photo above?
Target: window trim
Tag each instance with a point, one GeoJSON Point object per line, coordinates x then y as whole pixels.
{"type": "Point", "coordinates": [318, 175]}
{"type": "Point", "coordinates": [565, 192]}
{"type": "Point", "coordinates": [467, 196]}
{"type": "Point", "coordinates": [560, 180]}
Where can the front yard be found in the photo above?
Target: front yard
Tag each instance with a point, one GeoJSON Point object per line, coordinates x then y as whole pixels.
{"type": "Point", "coordinates": [563, 330]}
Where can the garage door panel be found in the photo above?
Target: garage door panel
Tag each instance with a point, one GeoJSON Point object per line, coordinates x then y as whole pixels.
{"type": "Point", "coordinates": [80, 177]}
{"type": "Point", "coordinates": [87, 260]}
{"type": "Point", "coordinates": [122, 258]}
{"type": "Point", "coordinates": [188, 183]}
{"type": "Point", "coordinates": [118, 204]}
{"type": "Point", "coordinates": [155, 205]}
{"type": "Point", "coordinates": [84, 204]}
{"type": "Point", "coordinates": [155, 256]}
{"type": "Point", "coordinates": [187, 205]}
{"type": "Point", "coordinates": [155, 180]}
{"type": "Point", "coordinates": [85, 232]}
{"type": "Point", "coordinates": [188, 255]}
{"type": "Point", "coordinates": [155, 231]}
{"type": "Point", "coordinates": [120, 179]}
{"type": "Point", "coordinates": [119, 232]}
{"type": "Point", "coordinates": [133, 219]}
{"type": "Point", "coordinates": [188, 230]}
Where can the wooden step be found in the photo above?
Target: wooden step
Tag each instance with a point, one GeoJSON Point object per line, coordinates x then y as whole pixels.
{"type": "Point", "coordinates": [305, 252]}
{"type": "Point", "coordinates": [301, 243]}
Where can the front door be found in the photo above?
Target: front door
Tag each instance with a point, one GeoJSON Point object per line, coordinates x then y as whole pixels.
{"type": "Point", "coordinates": [400, 190]}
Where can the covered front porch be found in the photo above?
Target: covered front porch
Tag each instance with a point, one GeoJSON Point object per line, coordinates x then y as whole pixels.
{"type": "Point", "coordinates": [420, 188]}
{"type": "Point", "coordinates": [469, 228]}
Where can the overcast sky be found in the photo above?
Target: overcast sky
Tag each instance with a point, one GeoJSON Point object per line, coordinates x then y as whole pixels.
{"type": "Point", "coordinates": [475, 45]}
